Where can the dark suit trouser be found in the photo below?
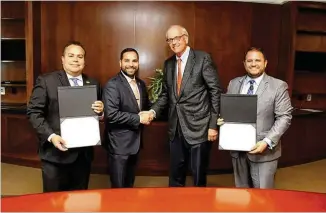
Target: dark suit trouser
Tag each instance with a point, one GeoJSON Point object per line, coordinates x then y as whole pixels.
{"type": "Point", "coordinates": [66, 177]}
{"type": "Point", "coordinates": [180, 154]}
{"type": "Point", "coordinates": [122, 170]}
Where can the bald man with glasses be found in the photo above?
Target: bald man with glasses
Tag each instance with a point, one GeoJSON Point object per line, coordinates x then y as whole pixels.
{"type": "Point", "coordinates": [191, 90]}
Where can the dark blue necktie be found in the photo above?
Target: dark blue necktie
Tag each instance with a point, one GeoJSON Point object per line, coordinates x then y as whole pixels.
{"type": "Point", "coordinates": [251, 88]}
{"type": "Point", "coordinates": [75, 80]}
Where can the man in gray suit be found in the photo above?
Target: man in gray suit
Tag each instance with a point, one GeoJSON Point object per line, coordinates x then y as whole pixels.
{"type": "Point", "coordinates": [257, 168]}
{"type": "Point", "coordinates": [191, 90]}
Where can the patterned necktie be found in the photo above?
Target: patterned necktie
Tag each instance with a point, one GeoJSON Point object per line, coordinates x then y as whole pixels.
{"type": "Point", "coordinates": [135, 91]}
{"type": "Point", "coordinates": [179, 79]}
{"type": "Point", "coordinates": [75, 80]}
{"type": "Point", "coordinates": [251, 88]}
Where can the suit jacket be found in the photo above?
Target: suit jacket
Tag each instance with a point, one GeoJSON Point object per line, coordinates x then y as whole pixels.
{"type": "Point", "coordinates": [122, 123]}
{"type": "Point", "coordinates": [43, 113]}
{"type": "Point", "coordinates": [273, 114]}
{"type": "Point", "coordinates": [197, 106]}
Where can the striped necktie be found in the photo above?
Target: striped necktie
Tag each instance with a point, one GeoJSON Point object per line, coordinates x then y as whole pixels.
{"type": "Point", "coordinates": [75, 80]}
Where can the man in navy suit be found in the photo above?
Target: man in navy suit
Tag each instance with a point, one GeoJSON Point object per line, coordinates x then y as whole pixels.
{"type": "Point", "coordinates": [124, 97]}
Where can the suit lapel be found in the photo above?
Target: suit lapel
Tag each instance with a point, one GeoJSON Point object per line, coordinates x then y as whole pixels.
{"type": "Point", "coordinates": [126, 85]}
{"type": "Point", "coordinates": [63, 78]}
{"type": "Point", "coordinates": [140, 89]}
{"type": "Point", "coordinates": [86, 80]}
{"type": "Point", "coordinates": [172, 65]}
{"type": "Point", "coordinates": [262, 86]}
{"type": "Point", "coordinates": [240, 85]}
{"type": "Point", "coordinates": [188, 69]}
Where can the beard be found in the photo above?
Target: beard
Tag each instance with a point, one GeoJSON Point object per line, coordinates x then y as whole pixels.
{"type": "Point", "coordinates": [124, 70]}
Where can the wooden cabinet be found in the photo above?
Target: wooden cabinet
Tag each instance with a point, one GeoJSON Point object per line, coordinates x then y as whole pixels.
{"type": "Point", "coordinates": [19, 43]}
{"type": "Point", "coordinates": [302, 53]}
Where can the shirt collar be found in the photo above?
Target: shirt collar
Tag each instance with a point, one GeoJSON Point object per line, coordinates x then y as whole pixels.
{"type": "Point", "coordinates": [185, 55]}
{"type": "Point", "coordinates": [79, 77]}
{"type": "Point", "coordinates": [257, 80]}
{"type": "Point", "coordinates": [128, 78]}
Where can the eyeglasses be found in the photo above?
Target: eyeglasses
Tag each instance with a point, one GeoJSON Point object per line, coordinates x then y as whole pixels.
{"type": "Point", "coordinates": [177, 38]}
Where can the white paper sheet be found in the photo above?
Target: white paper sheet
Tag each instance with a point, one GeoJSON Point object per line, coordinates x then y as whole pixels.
{"type": "Point", "coordinates": [80, 132]}
{"type": "Point", "coordinates": [237, 137]}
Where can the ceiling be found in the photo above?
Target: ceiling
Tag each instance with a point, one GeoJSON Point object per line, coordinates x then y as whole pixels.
{"type": "Point", "coordinates": [271, 1]}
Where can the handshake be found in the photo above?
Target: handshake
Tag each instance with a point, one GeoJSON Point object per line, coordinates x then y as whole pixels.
{"type": "Point", "coordinates": [146, 117]}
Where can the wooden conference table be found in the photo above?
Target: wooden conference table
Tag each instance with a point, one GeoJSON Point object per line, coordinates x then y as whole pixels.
{"type": "Point", "coordinates": [168, 199]}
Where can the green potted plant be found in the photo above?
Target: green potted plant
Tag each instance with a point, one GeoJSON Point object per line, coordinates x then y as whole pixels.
{"type": "Point", "coordinates": [154, 91]}
{"type": "Point", "coordinates": [155, 86]}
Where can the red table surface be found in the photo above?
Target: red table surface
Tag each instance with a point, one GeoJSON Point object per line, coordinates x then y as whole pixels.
{"type": "Point", "coordinates": [186, 199]}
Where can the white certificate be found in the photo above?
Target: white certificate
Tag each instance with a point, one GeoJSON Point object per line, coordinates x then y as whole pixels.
{"type": "Point", "coordinates": [80, 131]}
{"type": "Point", "coordinates": [237, 136]}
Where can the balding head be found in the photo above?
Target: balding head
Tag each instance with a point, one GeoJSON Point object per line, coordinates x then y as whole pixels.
{"type": "Point", "coordinates": [178, 28]}
{"type": "Point", "coordinates": [177, 38]}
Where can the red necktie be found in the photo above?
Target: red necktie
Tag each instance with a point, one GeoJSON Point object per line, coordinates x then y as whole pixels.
{"type": "Point", "coordinates": [179, 80]}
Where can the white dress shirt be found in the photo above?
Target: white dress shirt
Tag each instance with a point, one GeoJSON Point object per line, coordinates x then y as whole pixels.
{"type": "Point", "coordinates": [184, 59]}
{"type": "Point", "coordinates": [133, 86]}
{"type": "Point", "coordinates": [79, 82]}
{"type": "Point", "coordinates": [246, 84]}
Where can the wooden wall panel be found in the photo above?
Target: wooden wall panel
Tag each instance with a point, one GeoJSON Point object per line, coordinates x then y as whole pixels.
{"type": "Point", "coordinates": [13, 71]}
{"type": "Point", "coordinates": [266, 26]}
{"type": "Point", "coordinates": [303, 83]}
{"type": "Point", "coordinates": [105, 29]}
{"type": "Point", "coordinates": [223, 30]}
{"type": "Point", "coordinates": [10, 9]}
{"type": "Point", "coordinates": [33, 44]}
{"type": "Point", "coordinates": [23, 140]}
{"type": "Point", "coordinates": [311, 43]}
{"type": "Point", "coordinates": [312, 20]}
{"type": "Point", "coordinates": [13, 29]}
{"type": "Point", "coordinates": [14, 95]}
{"type": "Point", "coordinates": [152, 21]}
{"type": "Point", "coordinates": [19, 145]}
{"type": "Point", "coordinates": [4, 134]}
{"type": "Point", "coordinates": [56, 31]}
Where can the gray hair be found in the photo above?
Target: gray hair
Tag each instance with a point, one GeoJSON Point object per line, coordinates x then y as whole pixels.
{"type": "Point", "coordinates": [183, 30]}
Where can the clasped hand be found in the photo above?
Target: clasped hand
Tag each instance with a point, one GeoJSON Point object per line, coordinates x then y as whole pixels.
{"type": "Point", "coordinates": [146, 117]}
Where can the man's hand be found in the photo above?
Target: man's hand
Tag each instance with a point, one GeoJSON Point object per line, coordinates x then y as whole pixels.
{"type": "Point", "coordinates": [212, 134]}
{"type": "Point", "coordinates": [98, 107]}
{"type": "Point", "coordinates": [220, 121]}
{"type": "Point", "coordinates": [259, 147]}
{"type": "Point", "coordinates": [146, 117]}
{"type": "Point", "coordinates": [59, 143]}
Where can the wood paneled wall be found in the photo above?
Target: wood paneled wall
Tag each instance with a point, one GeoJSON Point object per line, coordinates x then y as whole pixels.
{"type": "Point", "coordinates": [224, 29]}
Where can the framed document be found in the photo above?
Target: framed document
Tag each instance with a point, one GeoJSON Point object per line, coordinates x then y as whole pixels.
{"type": "Point", "coordinates": [238, 133]}
{"type": "Point", "coordinates": [79, 124]}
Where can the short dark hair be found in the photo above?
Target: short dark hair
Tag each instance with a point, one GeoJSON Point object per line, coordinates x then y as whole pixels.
{"type": "Point", "coordinates": [128, 50]}
{"type": "Point", "coordinates": [256, 49]}
{"type": "Point", "coordinates": [77, 43]}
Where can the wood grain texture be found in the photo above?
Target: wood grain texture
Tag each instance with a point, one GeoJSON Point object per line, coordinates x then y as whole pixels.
{"type": "Point", "coordinates": [19, 146]}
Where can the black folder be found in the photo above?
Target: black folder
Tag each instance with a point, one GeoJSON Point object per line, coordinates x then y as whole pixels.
{"type": "Point", "coordinates": [237, 108]}
{"type": "Point", "coordinates": [76, 101]}
{"type": "Point", "coordinates": [75, 109]}
{"type": "Point", "coordinates": [239, 113]}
